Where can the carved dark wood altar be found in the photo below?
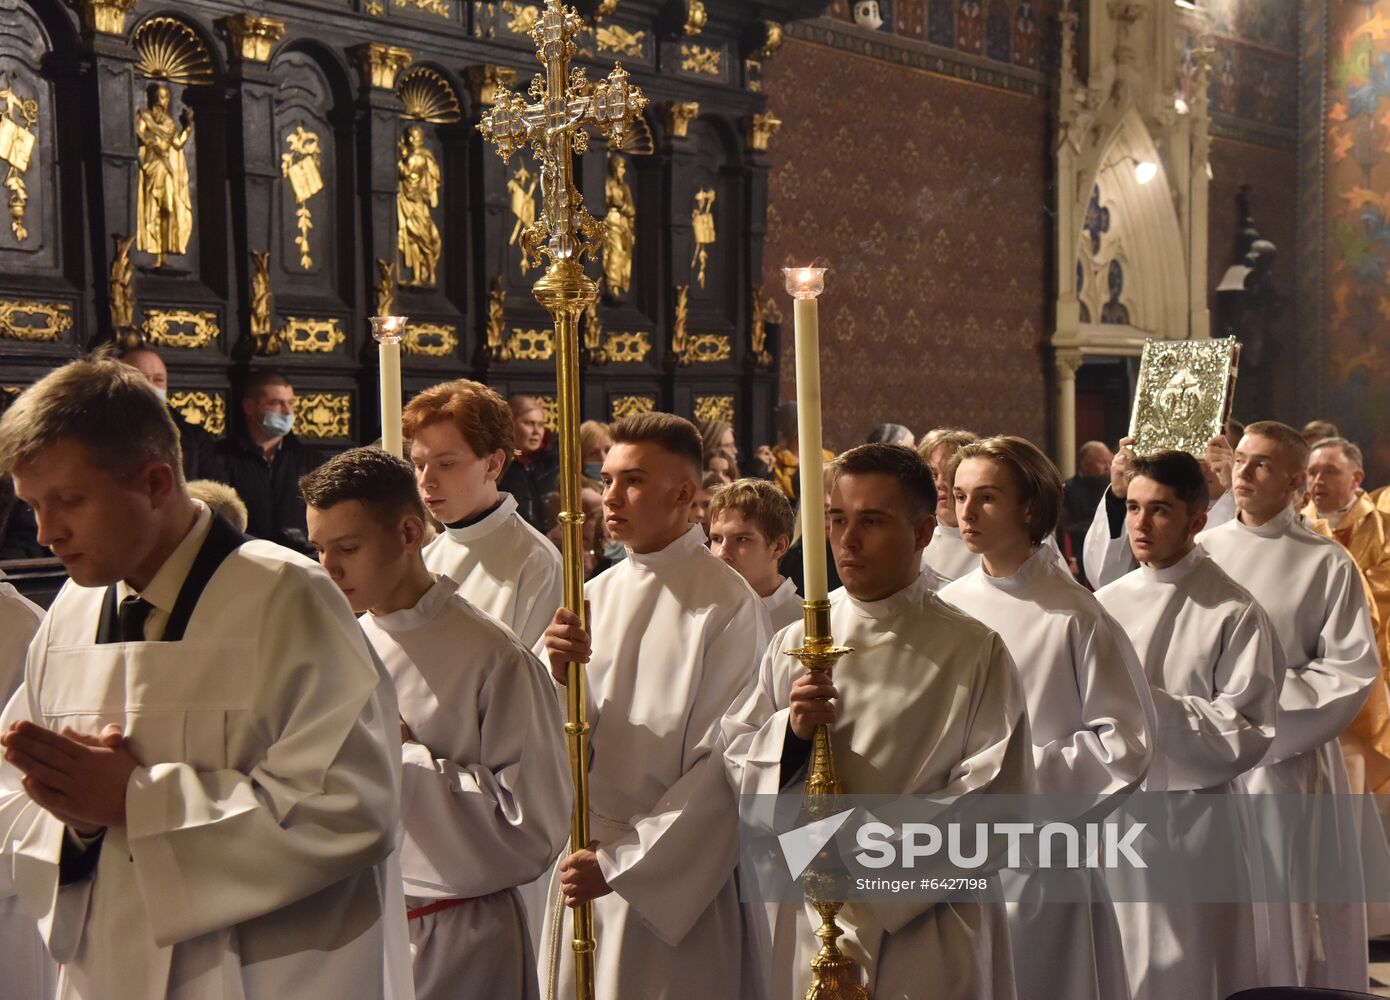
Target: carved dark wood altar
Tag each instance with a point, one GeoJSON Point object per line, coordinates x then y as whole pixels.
{"type": "Point", "coordinates": [309, 201]}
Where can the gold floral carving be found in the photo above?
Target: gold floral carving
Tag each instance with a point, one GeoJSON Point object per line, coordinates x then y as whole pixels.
{"type": "Point", "coordinates": [252, 36]}
{"type": "Point", "coordinates": [385, 290]}
{"type": "Point", "coordinates": [380, 64]}
{"type": "Point", "coordinates": [265, 340]}
{"type": "Point", "coordinates": [706, 348]}
{"type": "Point", "coordinates": [531, 345]}
{"type": "Point", "coordinates": [170, 50]}
{"type": "Point", "coordinates": [616, 38]}
{"type": "Point", "coordinates": [714, 408]}
{"type": "Point", "coordinates": [300, 165]}
{"type": "Point", "coordinates": [679, 115]}
{"type": "Point", "coordinates": [11, 391]}
{"type": "Point", "coordinates": [496, 344]}
{"type": "Point", "coordinates": [696, 17]}
{"type": "Point", "coordinates": [679, 336]}
{"type": "Point", "coordinates": [440, 7]}
{"type": "Point", "coordinates": [626, 406]}
{"type": "Point", "coordinates": [119, 287]}
{"type": "Point", "coordinates": [606, 8]}
{"type": "Point", "coordinates": [701, 59]}
{"type": "Point", "coordinates": [16, 148]}
{"type": "Point", "coordinates": [488, 81]}
{"type": "Point", "coordinates": [106, 16]}
{"type": "Point", "coordinates": [311, 336]}
{"type": "Point", "coordinates": [183, 328]}
{"type": "Point", "coordinates": [428, 97]}
{"type": "Point", "coordinates": [324, 415]}
{"type": "Point", "coordinates": [772, 41]}
{"type": "Point", "coordinates": [702, 222]}
{"type": "Point", "coordinates": [627, 348]}
{"type": "Point", "coordinates": [761, 129]}
{"type": "Point", "coordinates": [39, 322]}
{"type": "Point", "coordinates": [552, 411]}
{"type": "Point", "coordinates": [523, 16]}
{"type": "Point", "coordinates": [434, 340]}
{"type": "Point", "coordinates": [762, 357]}
{"type": "Point", "coordinates": [207, 410]}
{"type": "Point", "coordinates": [376, 8]}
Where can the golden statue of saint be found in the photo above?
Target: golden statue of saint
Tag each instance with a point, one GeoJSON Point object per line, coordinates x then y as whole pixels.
{"type": "Point", "coordinates": [621, 222]}
{"type": "Point", "coordinates": [164, 205]}
{"type": "Point", "coordinates": [522, 186]}
{"type": "Point", "coordinates": [417, 237]}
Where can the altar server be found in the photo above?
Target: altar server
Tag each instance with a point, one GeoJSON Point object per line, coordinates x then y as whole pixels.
{"type": "Point", "coordinates": [485, 786]}
{"type": "Point", "coordinates": [676, 634]}
{"type": "Point", "coordinates": [1313, 594]}
{"type": "Point", "coordinates": [750, 528]}
{"type": "Point", "coordinates": [462, 438]}
{"type": "Point", "coordinates": [1209, 654]}
{"type": "Point", "coordinates": [1088, 703]}
{"type": "Point", "coordinates": [931, 706]}
{"type": "Point", "coordinates": [200, 791]}
{"type": "Point", "coordinates": [946, 554]}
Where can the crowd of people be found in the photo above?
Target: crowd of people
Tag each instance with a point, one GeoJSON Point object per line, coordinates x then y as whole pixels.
{"type": "Point", "coordinates": [234, 770]}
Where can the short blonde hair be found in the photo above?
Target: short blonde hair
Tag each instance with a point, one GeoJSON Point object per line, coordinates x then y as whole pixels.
{"type": "Point", "coordinates": [479, 414]}
{"type": "Point", "coordinates": [222, 499]}
{"type": "Point", "coordinates": [948, 436]}
{"type": "Point", "coordinates": [105, 405]}
{"type": "Point", "coordinates": [759, 501]}
{"type": "Point", "coordinates": [1039, 483]}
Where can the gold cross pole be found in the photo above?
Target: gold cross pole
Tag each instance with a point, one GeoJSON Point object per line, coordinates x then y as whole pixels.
{"type": "Point", "coordinates": [566, 104]}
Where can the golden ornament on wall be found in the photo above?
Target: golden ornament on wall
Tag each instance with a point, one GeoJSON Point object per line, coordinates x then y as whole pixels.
{"type": "Point", "coordinates": [207, 410]}
{"type": "Point", "coordinates": [531, 345]}
{"type": "Point", "coordinates": [593, 328]}
{"type": "Point", "coordinates": [120, 290]}
{"type": "Point", "coordinates": [164, 196]}
{"type": "Point", "coordinates": [709, 408]}
{"type": "Point", "coordinates": [552, 411]}
{"type": "Point", "coordinates": [706, 348]}
{"type": "Point", "coordinates": [17, 140]}
{"type": "Point", "coordinates": [432, 340]}
{"type": "Point", "coordinates": [417, 195]}
{"type": "Point", "coordinates": [627, 406]}
{"type": "Point", "coordinates": [679, 336]}
{"type": "Point", "coordinates": [305, 335]}
{"type": "Point", "coordinates": [696, 17]}
{"type": "Point", "coordinates": [324, 415]}
{"type": "Point", "coordinates": [300, 166]}
{"type": "Point", "coordinates": [616, 38]}
{"type": "Point", "coordinates": [522, 186]}
{"type": "Point", "coordinates": [488, 81]}
{"type": "Point", "coordinates": [265, 342]}
{"type": "Point", "coordinates": [187, 329]}
{"type": "Point", "coordinates": [772, 40]}
{"type": "Point", "coordinates": [385, 290]}
{"type": "Point", "coordinates": [380, 64]}
{"type": "Point", "coordinates": [701, 59]}
{"type": "Point", "coordinates": [170, 50]}
{"type": "Point", "coordinates": [253, 37]}
{"type": "Point", "coordinates": [620, 228]}
{"type": "Point", "coordinates": [439, 7]}
{"type": "Point", "coordinates": [627, 348]}
{"type": "Point", "coordinates": [36, 322]}
{"type": "Point", "coordinates": [679, 115]}
{"type": "Point", "coordinates": [523, 16]}
{"type": "Point", "coordinates": [606, 8]}
{"type": "Point", "coordinates": [702, 221]}
{"type": "Point", "coordinates": [495, 346]}
{"type": "Point", "coordinates": [375, 8]}
{"type": "Point", "coordinates": [761, 129]}
{"type": "Point", "coordinates": [762, 357]}
{"type": "Point", "coordinates": [106, 16]}
{"type": "Point", "coordinates": [426, 96]}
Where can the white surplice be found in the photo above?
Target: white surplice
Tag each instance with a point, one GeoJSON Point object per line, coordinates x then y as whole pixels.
{"type": "Point", "coordinates": [1108, 557]}
{"type": "Point", "coordinates": [1312, 592]}
{"type": "Point", "coordinates": [783, 605]}
{"type": "Point", "coordinates": [256, 860]}
{"type": "Point", "coordinates": [29, 972]}
{"type": "Point", "coordinates": [485, 790]}
{"type": "Point", "coordinates": [676, 639]}
{"type": "Point", "coordinates": [947, 554]}
{"type": "Point", "coordinates": [931, 706]}
{"type": "Point", "coordinates": [504, 567]}
{"type": "Point", "coordinates": [1209, 652]}
{"type": "Point", "coordinates": [1091, 718]}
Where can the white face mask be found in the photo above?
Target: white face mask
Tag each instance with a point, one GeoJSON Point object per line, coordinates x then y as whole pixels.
{"type": "Point", "coordinates": [162, 393]}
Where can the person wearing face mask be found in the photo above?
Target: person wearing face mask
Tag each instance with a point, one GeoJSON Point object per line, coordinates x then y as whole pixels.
{"type": "Point", "coordinates": [594, 445]}
{"type": "Point", "coordinates": [200, 458]}
{"type": "Point", "coordinates": [264, 461]}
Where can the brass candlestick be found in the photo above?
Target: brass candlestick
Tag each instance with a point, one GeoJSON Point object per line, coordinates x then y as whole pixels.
{"type": "Point", "coordinates": [834, 975]}
{"type": "Point", "coordinates": [565, 104]}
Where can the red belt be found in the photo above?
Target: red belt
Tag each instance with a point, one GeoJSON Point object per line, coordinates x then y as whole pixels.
{"type": "Point", "coordinates": [443, 904]}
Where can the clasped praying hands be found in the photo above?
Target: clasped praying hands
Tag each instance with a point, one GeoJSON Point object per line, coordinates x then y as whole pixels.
{"type": "Point", "coordinates": [79, 778]}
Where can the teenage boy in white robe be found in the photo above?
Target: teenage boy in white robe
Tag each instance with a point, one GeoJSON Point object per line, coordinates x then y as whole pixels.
{"type": "Point", "coordinates": [676, 636]}
{"type": "Point", "coordinates": [931, 706]}
{"type": "Point", "coordinates": [1209, 652]}
{"type": "Point", "coordinates": [750, 528]}
{"type": "Point", "coordinates": [1106, 551]}
{"type": "Point", "coordinates": [946, 554]}
{"type": "Point", "coordinates": [485, 780]}
{"type": "Point", "coordinates": [462, 438]}
{"type": "Point", "coordinates": [1312, 592]}
{"type": "Point", "coordinates": [200, 790]}
{"type": "Point", "coordinates": [1089, 708]}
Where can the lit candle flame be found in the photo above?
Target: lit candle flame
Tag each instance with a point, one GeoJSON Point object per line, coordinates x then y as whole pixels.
{"type": "Point", "coordinates": [388, 329]}
{"type": "Point", "coordinates": [804, 282]}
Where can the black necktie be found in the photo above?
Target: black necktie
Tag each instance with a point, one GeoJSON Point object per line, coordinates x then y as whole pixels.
{"type": "Point", "coordinates": [131, 616]}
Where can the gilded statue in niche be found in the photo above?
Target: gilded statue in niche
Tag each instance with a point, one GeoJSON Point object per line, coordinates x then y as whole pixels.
{"type": "Point", "coordinates": [16, 147]}
{"type": "Point", "coordinates": [593, 328]}
{"type": "Point", "coordinates": [522, 186]}
{"type": "Point", "coordinates": [164, 201]}
{"type": "Point", "coordinates": [120, 292]}
{"type": "Point", "coordinates": [621, 233]}
{"type": "Point", "coordinates": [496, 347]}
{"type": "Point", "coordinates": [265, 341]}
{"type": "Point", "coordinates": [417, 236]}
{"type": "Point", "coordinates": [702, 219]}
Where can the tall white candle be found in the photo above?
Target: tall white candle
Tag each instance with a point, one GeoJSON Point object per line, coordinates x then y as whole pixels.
{"type": "Point", "coordinates": [389, 331]}
{"type": "Point", "coordinates": [804, 284]}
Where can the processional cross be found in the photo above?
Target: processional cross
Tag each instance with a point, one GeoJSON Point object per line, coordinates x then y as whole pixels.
{"type": "Point", "coordinates": [566, 104]}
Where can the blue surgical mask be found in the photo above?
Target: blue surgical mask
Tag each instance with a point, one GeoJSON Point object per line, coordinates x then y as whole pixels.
{"type": "Point", "coordinates": [593, 470]}
{"type": "Point", "coordinates": [276, 424]}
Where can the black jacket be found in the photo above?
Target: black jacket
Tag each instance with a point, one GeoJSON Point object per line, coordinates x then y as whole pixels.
{"type": "Point", "coordinates": [200, 458]}
{"type": "Point", "coordinates": [532, 486]}
{"type": "Point", "coordinates": [270, 490]}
